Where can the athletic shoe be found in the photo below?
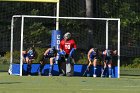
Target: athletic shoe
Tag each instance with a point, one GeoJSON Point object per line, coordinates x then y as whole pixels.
{"type": "Point", "coordinates": [61, 74]}
{"type": "Point", "coordinates": [39, 73]}
{"type": "Point", "coordinates": [50, 75]}
{"type": "Point", "coordinates": [29, 74]}
{"type": "Point", "coordinates": [102, 76]}
{"type": "Point", "coordinates": [94, 75]}
{"type": "Point", "coordinates": [110, 76]}
{"type": "Point", "coordinates": [69, 74]}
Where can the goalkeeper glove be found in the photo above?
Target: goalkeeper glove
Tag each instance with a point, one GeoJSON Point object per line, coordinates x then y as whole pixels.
{"type": "Point", "coordinates": [63, 53]}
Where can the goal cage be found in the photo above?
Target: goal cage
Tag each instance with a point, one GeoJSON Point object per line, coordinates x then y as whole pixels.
{"type": "Point", "coordinates": [26, 30]}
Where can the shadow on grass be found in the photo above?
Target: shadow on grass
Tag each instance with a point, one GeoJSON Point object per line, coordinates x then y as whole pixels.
{"type": "Point", "coordinates": [9, 82]}
{"type": "Point", "coordinates": [129, 75]}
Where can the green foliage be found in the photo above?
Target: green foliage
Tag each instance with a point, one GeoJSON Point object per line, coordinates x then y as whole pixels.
{"type": "Point", "coordinates": [34, 12]}
{"type": "Point", "coordinates": [39, 54]}
{"type": "Point", "coordinates": [82, 59]}
{"type": "Point", "coordinates": [5, 59]}
{"type": "Point", "coordinates": [36, 32]}
{"type": "Point", "coordinates": [16, 56]}
{"type": "Point", "coordinates": [131, 63]}
{"type": "Point", "coordinates": [135, 63]}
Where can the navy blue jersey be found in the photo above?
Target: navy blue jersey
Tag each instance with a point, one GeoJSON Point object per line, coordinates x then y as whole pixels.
{"type": "Point", "coordinates": [31, 54]}
{"type": "Point", "coordinates": [51, 53]}
{"type": "Point", "coordinates": [93, 55]}
{"type": "Point", "coordinates": [24, 55]}
{"type": "Point", "coordinates": [107, 55]}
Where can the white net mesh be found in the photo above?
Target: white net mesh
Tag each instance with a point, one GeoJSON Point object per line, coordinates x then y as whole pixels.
{"type": "Point", "coordinates": [37, 32]}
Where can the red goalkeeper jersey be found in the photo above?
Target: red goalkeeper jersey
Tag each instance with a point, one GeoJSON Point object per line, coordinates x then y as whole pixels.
{"type": "Point", "coordinates": [67, 45]}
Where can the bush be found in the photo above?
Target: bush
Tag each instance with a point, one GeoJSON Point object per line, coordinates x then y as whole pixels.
{"type": "Point", "coordinates": [5, 59]}
{"type": "Point", "coordinates": [82, 59]}
{"type": "Point", "coordinates": [135, 63]}
{"type": "Point", "coordinates": [39, 54]}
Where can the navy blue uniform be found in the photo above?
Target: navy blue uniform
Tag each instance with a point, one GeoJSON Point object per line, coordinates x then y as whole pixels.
{"type": "Point", "coordinates": [51, 53]}
{"type": "Point", "coordinates": [30, 54]}
{"type": "Point", "coordinates": [92, 55]}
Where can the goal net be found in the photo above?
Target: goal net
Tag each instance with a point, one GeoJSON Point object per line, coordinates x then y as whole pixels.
{"type": "Point", "coordinates": [28, 30]}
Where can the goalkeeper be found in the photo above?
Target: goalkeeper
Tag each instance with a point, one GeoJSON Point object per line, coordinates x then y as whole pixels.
{"type": "Point", "coordinates": [68, 47]}
{"type": "Point", "coordinates": [51, 54]}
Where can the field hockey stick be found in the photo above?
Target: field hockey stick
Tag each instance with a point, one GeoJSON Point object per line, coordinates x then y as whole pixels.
{"type": "Point", "coordinates": [104, 68]}
{"type": "Point", "coordinates": [86, 69]}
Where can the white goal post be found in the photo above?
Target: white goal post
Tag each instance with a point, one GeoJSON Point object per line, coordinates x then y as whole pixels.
{"type": "Point", "coordinates": [57, 27]}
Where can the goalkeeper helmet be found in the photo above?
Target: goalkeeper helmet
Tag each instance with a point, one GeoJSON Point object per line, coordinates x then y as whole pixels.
{"type": "Point", "coordinates": [67, 35]}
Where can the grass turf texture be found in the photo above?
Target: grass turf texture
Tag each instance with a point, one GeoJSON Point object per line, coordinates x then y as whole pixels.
{"type": "Point", "coordinates": [44, 84]}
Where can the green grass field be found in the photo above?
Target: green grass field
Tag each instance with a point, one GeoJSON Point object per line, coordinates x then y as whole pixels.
{"type": "Point", "coordinates": [44, 84]}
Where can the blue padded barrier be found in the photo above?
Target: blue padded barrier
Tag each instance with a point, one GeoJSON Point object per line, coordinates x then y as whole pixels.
{"type": "Point", "coordinates": [55, 39]}
{"type": "Point", "coordinates": [78, 70]}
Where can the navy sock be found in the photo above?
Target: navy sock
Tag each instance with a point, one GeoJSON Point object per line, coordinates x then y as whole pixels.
{"type": "Point", "coordinates": [41, 67]}
{"type": "Point", "coordinates": [95, 68]}
{"type": "Point", "coordinates": [104, 71]}
{"type": "Point", "coordinates": [109, 71]}
{"type": "Point", "coordinates": [88, 70]}
{"type": "Point", "coordinates": [28, 68]}
{"type": "Point", "coordinates": [50, 69]}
